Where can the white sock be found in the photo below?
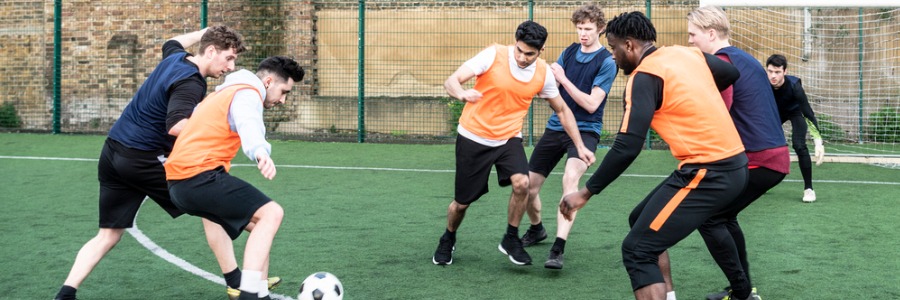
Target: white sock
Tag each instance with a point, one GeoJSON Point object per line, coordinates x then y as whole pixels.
{"type": "Point", "coordinates": [263, 288]}
{"type": "Point", "coordinates": [670, 295]}
{"type": "Point", "coordinates": [250, 281]}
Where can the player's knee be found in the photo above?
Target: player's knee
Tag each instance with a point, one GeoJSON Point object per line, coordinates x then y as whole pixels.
{"type": "Point", "coordinates": [638, 259]}
{"type": "Point", "coordinates": [533, 191]}
{"type": "Point", "coordinates": [632, 257]}
{"type": "Point", "coordinates": [632, 218]}
{"type": "Point", "coordinates": [272, 211]}
{"type": "Point", "coordinates": [520, 184]}
{"type": "Point", "coordinates": [110, 236]}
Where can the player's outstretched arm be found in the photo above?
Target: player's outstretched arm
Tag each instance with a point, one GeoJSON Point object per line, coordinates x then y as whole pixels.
{"type": "Point", "coordinates": [567, 118]}
{"type": "Point", "coordinates": [724, 73]}
{"type": "Point", "coordinates": [573, 202]}
{"type": "Point", "coordinates": [454, 88]}
{"type": "Point", "coordinates": [191, 38]}
{"type": "Point", "coordinates": [590, 102]}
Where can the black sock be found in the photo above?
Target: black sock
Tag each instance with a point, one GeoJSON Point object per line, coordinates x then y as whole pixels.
{"type": "Point", "coordinates": [512, 230]}
{"type": "Point", "coordinates": [233, 278]}
{"type": "Point", "coordinates": [559, 245]}
{"type": "Point", "coordinates": [66, 293]}
{"type": "Point", "coordinates": [450, 235]}
{"type": "Point", "coordinates": [537, 227]}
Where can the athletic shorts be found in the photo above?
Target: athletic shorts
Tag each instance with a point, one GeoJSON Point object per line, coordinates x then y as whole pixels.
{"type": "Point", "coordinates": [219, 197]}
{"type": "Point", "coordinates": [551, 147]}
{"type": "Point", "coordinates": [675, 208]}
{"type": "Point", "coordinates": [127, 176]}
{"type": "Point", "coordinates": [473, 166]}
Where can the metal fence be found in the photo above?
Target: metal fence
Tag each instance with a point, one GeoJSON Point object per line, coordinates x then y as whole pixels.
{"type": "Point", "coordinates": [375, 68]}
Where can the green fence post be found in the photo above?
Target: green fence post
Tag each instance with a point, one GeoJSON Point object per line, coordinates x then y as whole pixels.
{"type": "Point", "coordinates": [860, 77]}
{"type": "Point", "coordinates": [531, 107]}
{"type": "Point", "coordinates": [57, 50]}
{"type": "Point", "coordinates": [203, 10]}
{"type": "Point", "coordinates": [361, 75]}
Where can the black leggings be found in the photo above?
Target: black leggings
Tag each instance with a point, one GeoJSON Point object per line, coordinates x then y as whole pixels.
{"type": "Point", "coordinates": [798, 141]}
{"type": "Point", "coordinates": [724, 237]}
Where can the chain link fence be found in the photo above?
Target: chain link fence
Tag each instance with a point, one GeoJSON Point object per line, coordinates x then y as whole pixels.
{"type": "Point", "coordinates": [389, 90]}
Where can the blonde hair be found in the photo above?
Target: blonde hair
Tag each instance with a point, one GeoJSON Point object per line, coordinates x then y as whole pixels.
{"type": "Point", "coordinates": [710, 17]}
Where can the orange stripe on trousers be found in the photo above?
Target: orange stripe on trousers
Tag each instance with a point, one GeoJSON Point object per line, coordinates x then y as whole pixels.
{"type": "Point", "coordinates": [675, 201]}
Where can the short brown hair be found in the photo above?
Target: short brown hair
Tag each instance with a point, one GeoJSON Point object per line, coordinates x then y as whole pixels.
{"type": "Point", "coordinates": [590, 12]}
{"type": "Point", "coordinates": [223, 38]}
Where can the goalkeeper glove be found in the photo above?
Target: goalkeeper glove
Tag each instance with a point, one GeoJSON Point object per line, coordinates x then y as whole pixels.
{"type": "Point", "coordinates": [820, 151]}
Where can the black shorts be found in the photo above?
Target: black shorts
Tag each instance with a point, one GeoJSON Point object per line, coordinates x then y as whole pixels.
{"type": "Point", "coordinates": [675, 208]}
{"type": "Point", "coordinates": [127, 176]}
{"type": "Point", "coordinates": [473, 166]}
{"type": "Point", "coordinates": [218, 197]}
{"type": "Point", "coordinates": [551, 147]}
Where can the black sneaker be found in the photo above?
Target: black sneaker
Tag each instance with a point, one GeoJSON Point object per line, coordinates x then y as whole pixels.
{"type": "Point", "coordinates": [720, 295]}
{"type": "Point", "coordinates": [248, 296]}
{"type": "Point", "coordinates": [444, 253]}
{"type": "Point", "coordinates": [532, 237]}
{"type": "Point", "coordinates": [512, 246]}
{"type": "Point", "coordinates": [753, 296]}
{"type": "Point", "coordinates": [554, 261]}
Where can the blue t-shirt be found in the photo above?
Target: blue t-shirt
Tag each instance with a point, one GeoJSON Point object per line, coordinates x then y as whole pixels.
{"type": "Point", "coordinates": [603, 78]}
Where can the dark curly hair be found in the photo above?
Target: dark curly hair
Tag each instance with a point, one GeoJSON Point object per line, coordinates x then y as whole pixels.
{"type": "Point", "coordinates": [632, 25]}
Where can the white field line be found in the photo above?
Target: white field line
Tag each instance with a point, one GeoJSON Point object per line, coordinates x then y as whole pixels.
{"type": "Point", "coordinates": [139, 235]}
{"type": "Point", "coordinates": [190, 268]}
{"type": "Point", "coordinates": [437, 170]}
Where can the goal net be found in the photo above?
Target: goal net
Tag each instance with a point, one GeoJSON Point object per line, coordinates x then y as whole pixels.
{"type": "Point", "coordinates": [848, 58]}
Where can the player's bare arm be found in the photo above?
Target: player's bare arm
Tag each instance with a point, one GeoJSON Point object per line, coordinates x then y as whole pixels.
{"type": "Point", "coordinates": [454, 88]}
{"type": "Point", "coordinates": [568, 122]}
{"type": "Point", "coordinates": [191, 38]}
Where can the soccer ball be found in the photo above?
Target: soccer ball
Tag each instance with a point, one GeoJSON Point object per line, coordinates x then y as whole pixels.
{"type": "Point", "coordinates": [321, 286]}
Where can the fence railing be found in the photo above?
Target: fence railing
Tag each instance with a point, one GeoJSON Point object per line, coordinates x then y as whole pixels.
{"type": "Point", "coordinates": [375, 68]}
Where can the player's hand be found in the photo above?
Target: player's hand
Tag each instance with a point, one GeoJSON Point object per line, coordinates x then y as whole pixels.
{"type": "Point", "coordinates": [558, 73]}
{"type": "Point", "coordinates": [266, 166]}
{"type": "Point", "coordinates": [587, 156]}
{"type": "Point", "coordinates": [470, 95]}
{"type": "Point", "coordinates": [573, 202]}
{"type": "Point", "coordinates": [820, 152]}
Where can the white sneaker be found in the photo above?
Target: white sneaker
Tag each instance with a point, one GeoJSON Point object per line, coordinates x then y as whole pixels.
{"type": "Point", "coordinates": [809, 195]}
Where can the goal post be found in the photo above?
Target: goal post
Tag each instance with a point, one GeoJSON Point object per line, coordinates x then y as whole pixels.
{"type": "Point", "coordinates": [847, 55]}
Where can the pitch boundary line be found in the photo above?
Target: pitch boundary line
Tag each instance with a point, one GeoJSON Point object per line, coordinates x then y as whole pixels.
{"type": "Point", "coordinates": [154, 248]}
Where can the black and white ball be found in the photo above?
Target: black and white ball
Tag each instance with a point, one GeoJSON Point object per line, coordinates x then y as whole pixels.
{"type": "Point", "coordinates": [321, 286]}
